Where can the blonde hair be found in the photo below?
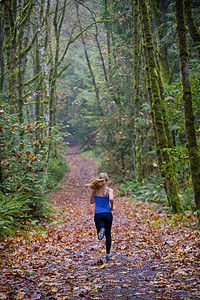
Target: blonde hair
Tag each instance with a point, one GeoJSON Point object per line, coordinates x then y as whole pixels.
{"type": "Point", "coordinates": [95, 184]}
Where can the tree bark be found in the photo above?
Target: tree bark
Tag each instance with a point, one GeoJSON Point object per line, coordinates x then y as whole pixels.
{"type": "Point", "coordinates": [170, 179]}
{"type": "Point", "coordinates": [1, 53]}
{"type": "Point", "coordinates": [157, 146]}
{"type": "Point", "coordinates": [37, 70]}
{"type": "Point", "coordinates": [158, 9]}
{"type": "Point", "coordinates": [136, 54]}
{"type": "Point", "coordinates": [20, 76]}
{"type": "Point", "coordinates": [194, 155]}
{"type": "Point", "coordinates": [45, 87]}
{"type": "Point", "coordinates": [10, 9]}
{"type": "Point", "coordinates": [193, 30]}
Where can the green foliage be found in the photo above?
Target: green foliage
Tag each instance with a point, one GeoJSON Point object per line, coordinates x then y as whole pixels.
{"type": "Point", "coordinates": [57, 168]}
{"type": "Point", "coordinates": [13, 212]}
{"type": "Point", "coordinates": [149, 190]}
{"type": "Point", "coordinates": [179, 153]}
{"type": "Point", "coordinates": [94, 154]}
{"type": "Point", "coordinates": [174, 103]}
{"type": "Point", "coordinates": [115, 137]}
{"type": "Point", "coordinates": [22, 171]}
{"type": "Point", "coordinates": [180, 157]}
{"type": "Point", "coordinates": [187, 198]}
{"type": "Point", "coordinates": [79, 111]}
{"type": "Point", "coordinates": [108, 126]}
{"type": "Point", "coordinates": [25, 182]}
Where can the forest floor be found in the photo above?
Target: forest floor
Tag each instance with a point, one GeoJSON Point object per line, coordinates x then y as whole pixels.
{"type": "Point", "coordinates": [156, 255]}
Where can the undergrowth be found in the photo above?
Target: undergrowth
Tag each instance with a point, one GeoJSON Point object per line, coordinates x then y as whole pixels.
{"type": "Point", "coordinates": [152, 189]}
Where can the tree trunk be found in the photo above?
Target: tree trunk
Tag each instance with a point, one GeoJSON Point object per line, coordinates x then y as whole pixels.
{"type": "Point", "coordinates": [1, 53]}
{"type": "Point", "coordinates": [188, 108]}
{"type": "Point", "coordinates": [158, 11]}
{"type": "Point", "coordinates": [107, 27]}
{"type": "Point", "coordinates": [170, 179]}
{"type": "Point", "coordinates": [37, 97]}
{"type": "Point", "coordinates": [164, 113]}
{"type": "Point", "coordinates": [159, 8]}
{"type": "Point", "coordinates": [136, 54]}
{"type": "Point", "coordinates": [20, 77]}
{"type": "Point", "coordinates": [10, 10]}
{"type": "Point", "coordinates": [45, 88]}
{"type": "Point", "coordinates": [193, 30]}
{"type": "Point", "coordinates": [158, 151]}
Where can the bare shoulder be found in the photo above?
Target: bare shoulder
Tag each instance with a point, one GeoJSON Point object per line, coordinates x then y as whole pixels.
{"type": "Point", "coordinates": [110, 193]}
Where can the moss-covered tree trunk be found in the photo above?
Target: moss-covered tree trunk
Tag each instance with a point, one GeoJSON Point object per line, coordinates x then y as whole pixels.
{"type": "Point", "coordinates": [194, 155]}
{"type": "Point", "coordinates": [164, 113]}
{"type": "Point", "coordinates": [158, 150]}
{"type": "Point", "coordinates": [1, 52]}
{"type": "Point", "coordinates": [1, 78]}
{"type": "Point", "coordinates": [53, 75]}
{"type": "Point", "coordinates": [20, 76]}
{"type": "Point", "coordinates": [55, 65]}
{"type": "Point", "coordinates": [10, 29]}
{"type": "Point", "coordinates": [136, 54]}
{"type": "Point", "coordinates": [159, 8]}
{"type": "Point", "coordinates": [37, 70]}
{"type": "Point", "coordinates": [44, 69]}
{"type": "Point", "coordinates": [22, 51]}
{"type": "Point", "coordinates": [193, 30]}
{"type": "Point", "coordinates": [162, 142]}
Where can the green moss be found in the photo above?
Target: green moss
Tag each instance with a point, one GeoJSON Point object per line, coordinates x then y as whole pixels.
{"type": "Point", "coordinates": [159, 127]}
{"type": "Point", "coordinates": [137, 56]}
{"type": "Point", "coordinates": [194, 32]}
{"type": "Point", "coordinates": [188, 106]}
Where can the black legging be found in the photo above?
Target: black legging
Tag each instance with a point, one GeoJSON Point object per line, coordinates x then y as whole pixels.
{"type": "Point", "coordinates": [104, 220]}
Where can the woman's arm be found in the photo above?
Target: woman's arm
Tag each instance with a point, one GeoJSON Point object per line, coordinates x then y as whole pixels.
{"type": "Point", "coordinates": [92, 198]}
{"type": "Point", "coordinates": [111, 199]}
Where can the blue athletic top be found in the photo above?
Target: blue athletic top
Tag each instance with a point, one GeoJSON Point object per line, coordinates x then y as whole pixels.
{"type": "Point", "coordinates": [102, 204]}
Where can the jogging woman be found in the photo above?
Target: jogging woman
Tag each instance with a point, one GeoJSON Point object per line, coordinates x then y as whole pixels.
{"type": "Point", "coordinates": [102, 196]}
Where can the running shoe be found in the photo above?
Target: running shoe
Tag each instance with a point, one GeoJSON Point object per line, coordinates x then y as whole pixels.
{"type": "Point", "coordinates": [101, 233]}
{"type": "Point", "coordinates": [108, 256]}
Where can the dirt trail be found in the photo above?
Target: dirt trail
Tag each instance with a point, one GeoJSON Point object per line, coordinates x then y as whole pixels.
{"type": "Point", "coordinates": [152, 259]}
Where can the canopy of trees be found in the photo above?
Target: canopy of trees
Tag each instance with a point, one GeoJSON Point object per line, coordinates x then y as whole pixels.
{"type": "Point", "coordinates": [120, 77]}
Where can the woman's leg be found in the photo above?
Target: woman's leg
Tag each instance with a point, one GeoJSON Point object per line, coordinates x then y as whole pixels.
{"type": "Point", "coordinates": [108, 224]}
{"type": "Point", "coordinates": [99, 221]}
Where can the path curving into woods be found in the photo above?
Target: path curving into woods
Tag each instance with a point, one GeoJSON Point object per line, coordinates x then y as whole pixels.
{"type": "Point", "coordinates": [154, 258]}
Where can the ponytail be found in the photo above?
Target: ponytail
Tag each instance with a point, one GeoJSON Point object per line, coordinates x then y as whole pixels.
{"type": "Point", "coordinates": [95, 184]}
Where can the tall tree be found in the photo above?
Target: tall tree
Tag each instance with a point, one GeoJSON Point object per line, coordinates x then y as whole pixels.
{"type": "Point", "coordinates": [137, 59]}
{"type": "Point", "coordinates": [170, 178]}
{"type": "Point", "coordinates": [10, 28]}
{"type": "Point", "coordinates": [194, 155]}
{"type": "Point", "coordinates": [2, 67]}
{"type": "Point", "coordinates": [159, 9]}
{"type": "Point", "coordinates": [22, 50]}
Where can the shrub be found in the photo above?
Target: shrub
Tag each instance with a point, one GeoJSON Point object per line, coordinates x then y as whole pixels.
{"type": "Point", "coordinates": [57, 168]}
{"type": "Point", "coordinates": [12, 212]}
{"type": "Point", "coordinates": [24, 182]}
{"type": "Point", "coordinates": [148, 190]}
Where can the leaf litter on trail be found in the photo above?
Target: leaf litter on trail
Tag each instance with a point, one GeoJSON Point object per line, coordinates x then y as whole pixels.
{"type": "Point", "coordinates": [155, 255]}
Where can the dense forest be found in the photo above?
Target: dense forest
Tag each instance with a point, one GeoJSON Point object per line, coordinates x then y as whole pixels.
{"type": "Point", "coordinates": [119, 78]}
